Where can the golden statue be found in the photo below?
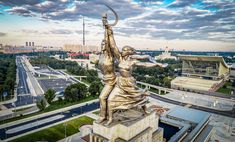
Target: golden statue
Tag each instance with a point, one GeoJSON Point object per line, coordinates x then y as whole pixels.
{"type": "Point", "coordinates": [121, 89]}
{"type": "Point", "coordinates": [106, 65]}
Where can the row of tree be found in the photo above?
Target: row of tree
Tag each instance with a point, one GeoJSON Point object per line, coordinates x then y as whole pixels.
{"type": "Point", "coordinates": [92, 75]}
{"type": "Point", "coordinates": [52, 62]}
{"type": "Point", "coordinates": [50, 53]}
{"type": "Point", "coordinates": [158, 76]}
{"type": "Point", "coordinates": [73, 93]}
{"type": "Point", "coordinates": [7, 77]}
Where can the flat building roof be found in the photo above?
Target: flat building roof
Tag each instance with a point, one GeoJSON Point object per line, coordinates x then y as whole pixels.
{"type": "Point", "coordinates": [188, 114]}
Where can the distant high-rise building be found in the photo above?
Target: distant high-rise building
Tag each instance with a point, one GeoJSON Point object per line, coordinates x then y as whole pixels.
{"type": "Point", "coordinates": [32, 43]}
{"type": "Point", "coordinates": [26, 43]}
{"type": "Point", "coordinates": [29, 43]}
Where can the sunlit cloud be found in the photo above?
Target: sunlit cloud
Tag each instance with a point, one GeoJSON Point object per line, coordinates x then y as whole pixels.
{"type": "Point", "coordinates": [181, 20]}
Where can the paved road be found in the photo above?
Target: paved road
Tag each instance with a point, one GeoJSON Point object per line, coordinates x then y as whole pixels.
{"type": "Point", "coordinates": [214, 94]}
{"type": "Point", "coordinates": [66, 115]}
{"type": "Point", "coordinates": [23, 94]}
{"type": "Point", "coordinates": [22, 86]}
{"type": "Point", "coordinates": [225, 113]}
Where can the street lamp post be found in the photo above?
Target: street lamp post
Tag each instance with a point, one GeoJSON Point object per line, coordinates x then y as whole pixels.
{"type": "Point", "coordinates": [61, 113]}
{"type": "Point", "coordinates": [13, 104]}
{"type": "Point", "coordinates": [182, 97]}
{"type": "Point", "coordinates": [65, 127]}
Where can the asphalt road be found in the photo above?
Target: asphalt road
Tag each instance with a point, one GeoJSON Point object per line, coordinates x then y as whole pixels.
{"type": "Point", "coordinates": [67, 115]}
{"type": "Point", "coordinates": [23, 94]}
{"type": "Point", "coordinates": [225, 113]}
{"type": "Point", "coordinates": [22, 86]}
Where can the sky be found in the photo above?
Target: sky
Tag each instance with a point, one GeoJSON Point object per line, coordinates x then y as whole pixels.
{"type": "Point", "coordinates": [192, 25]}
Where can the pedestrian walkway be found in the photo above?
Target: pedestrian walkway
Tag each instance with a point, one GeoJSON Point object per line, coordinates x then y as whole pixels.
{"type": "Point", "coordinates": [92, 115]}
{"type": "Point", "coordinates": [201, 100]}
{"type": "Point", "coordinates": [73, 138]}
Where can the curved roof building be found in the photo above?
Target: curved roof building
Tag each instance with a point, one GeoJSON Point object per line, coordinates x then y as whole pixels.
{"type": "Point", "coordinates": [201, 73]}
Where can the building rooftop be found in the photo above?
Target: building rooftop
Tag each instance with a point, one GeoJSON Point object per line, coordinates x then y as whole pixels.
{"type": "Point", "coordinates": [191, 115]}
{"type": "Point", "coordinates": [204, 58]}
{"type": "Point", "coordinates": [195, 83]}
{"type": "Point", "coordinates": [192, 124]}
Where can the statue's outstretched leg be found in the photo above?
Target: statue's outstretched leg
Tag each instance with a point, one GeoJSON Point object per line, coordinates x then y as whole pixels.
{"type": "Point", "coordinates": [145, 109]}
{"type": "Point", "coordinates": [110, 114]}
{"type": "Point", "coordinates": [103, 110]}
{"type": "Point", "coordinates": [110, 119]}
{"type": "Point", "coordinates": [103, 103]}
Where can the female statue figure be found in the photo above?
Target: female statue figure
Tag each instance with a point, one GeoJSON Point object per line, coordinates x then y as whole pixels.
{"type": "Point", "coordinates": [126, 94]}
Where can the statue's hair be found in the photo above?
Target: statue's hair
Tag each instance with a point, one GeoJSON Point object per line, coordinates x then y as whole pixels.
{"type": "Point", "coordinates": [104, 15]}
{"type": "Point", "coordinates": [128, 49]}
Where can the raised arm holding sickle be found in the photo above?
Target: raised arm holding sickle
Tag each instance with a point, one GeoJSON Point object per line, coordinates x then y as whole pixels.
{"type": "Point", "coordinates": [106, 65]}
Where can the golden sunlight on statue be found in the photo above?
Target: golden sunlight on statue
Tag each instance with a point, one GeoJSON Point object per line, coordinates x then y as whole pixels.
{"type": "Point", "coordinates": [120, 91]}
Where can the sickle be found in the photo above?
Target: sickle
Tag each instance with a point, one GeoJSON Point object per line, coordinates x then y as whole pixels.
{"type": "Point", "coordinates": [115, 14]}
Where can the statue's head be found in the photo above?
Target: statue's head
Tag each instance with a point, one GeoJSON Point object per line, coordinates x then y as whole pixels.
{"type": "Point", "coordinates": [104, 19]}
{"type": "Point", "coordinates": [127, 50]}
{"type": "Point", "coordinates": [103, 44]}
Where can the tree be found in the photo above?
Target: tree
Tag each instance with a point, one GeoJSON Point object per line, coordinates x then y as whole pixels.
{"type": "Point", "coordinates": [167, 82]}
{"type": "Point", "coordinates": [233, 84]}
{"type": "Point", "coordinates": [75, 92]}
{"type": "Point", "coordinates": [50, 95]}
{"type": "Point", "coordinates": [95, 88]}
{"type": "Point", "coordinates": [7, 75]}
{"type": "Point", "coordinates": [41, 104]}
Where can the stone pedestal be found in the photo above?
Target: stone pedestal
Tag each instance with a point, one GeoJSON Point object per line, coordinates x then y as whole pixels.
{"type": "Point", "coordinates": [144, 129]}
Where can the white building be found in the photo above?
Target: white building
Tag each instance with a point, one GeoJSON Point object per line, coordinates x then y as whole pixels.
{"type": "Point", "coordinates": [80, 48]}
{"type": "Point", "coordinates": [165, 55]}
{"type": "Point", "coordinates": [232, 71]}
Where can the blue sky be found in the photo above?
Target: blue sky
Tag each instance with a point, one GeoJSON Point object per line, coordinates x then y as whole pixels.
{"type": "Point", "coordinates": [201, 25]}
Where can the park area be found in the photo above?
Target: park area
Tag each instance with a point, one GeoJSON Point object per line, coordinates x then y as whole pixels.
{"type": "Point", "coordinates": [57, 132]}
{"type": "Point", "coordinates": [226, 88]}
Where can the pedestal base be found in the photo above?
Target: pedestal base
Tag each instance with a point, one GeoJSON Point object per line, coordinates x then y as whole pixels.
{"type": "Point", "coordinates": [144, 129]}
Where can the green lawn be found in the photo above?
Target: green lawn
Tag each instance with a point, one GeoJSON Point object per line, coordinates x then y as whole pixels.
{"type": "Point", "coordinates": [96, 112]}
{"type": "Point", "coordinates": [224, 89]}
{"type": "Point", "coordinates": [56, 132]}
{"type": "Point", "coordinates": [54, 106]}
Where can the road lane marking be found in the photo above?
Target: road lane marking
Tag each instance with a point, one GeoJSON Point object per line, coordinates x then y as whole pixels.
{"type": "Point", "coordinates": [33, 124]}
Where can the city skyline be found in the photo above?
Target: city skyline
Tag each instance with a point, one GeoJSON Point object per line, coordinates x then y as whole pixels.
{"type": "Point", "coordinates": [198, 25]}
